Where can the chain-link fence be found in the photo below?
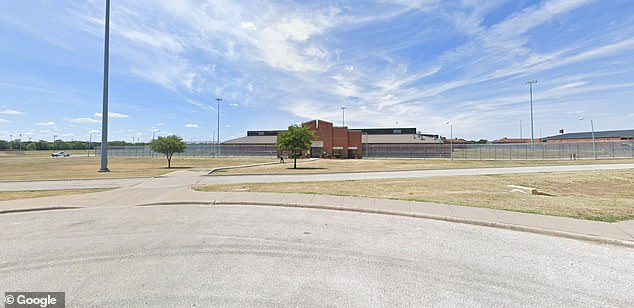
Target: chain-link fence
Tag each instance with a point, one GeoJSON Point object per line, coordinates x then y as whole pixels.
{"type": "Point", "coordinates": [538, 151]}
{"type": "Point", "coordinates": [196, 150]}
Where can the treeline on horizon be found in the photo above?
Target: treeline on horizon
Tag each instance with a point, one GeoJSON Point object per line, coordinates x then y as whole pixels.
{"type": "Point", "coordinates": [59, 145]}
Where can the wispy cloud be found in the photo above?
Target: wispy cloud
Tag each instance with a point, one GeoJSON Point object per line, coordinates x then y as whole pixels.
{"type": "Point", "coordinates": [83, 120]}
{"type": "Point", "coordinates": [4, 121]}
{"type": "Point", "coordinates": [191, 125]}
{"type": "Point", "coordinates": [112, 115]}
{"type": "Point", "coordinates": [50, 123]}
{"type": "Point", "coordinates": [12, 112]}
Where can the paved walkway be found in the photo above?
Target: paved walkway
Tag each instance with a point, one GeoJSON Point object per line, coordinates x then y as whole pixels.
{"type": "Point", "coordinates": [173, 189]}
{"type": "Point", "coordinates": [200, 177]}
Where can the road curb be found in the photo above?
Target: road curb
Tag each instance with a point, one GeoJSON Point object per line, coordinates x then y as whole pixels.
{"type": "Point", "coordinates": [498, 225]}
{"type": "Point", "coordinates": [39, 209]}
{"type": "Point", "coordinates": [247, 166]}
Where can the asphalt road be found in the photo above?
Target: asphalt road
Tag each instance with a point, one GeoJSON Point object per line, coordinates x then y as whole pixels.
{"type": "Point", "coordinates": [268, 256]}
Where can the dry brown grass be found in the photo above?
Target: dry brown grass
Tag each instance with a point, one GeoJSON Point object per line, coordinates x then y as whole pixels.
{"type": "Point", "coordinates": [367, 165]}
{"type": "Point", "coordinates": [32, 167]}
{"type": "Point", "coordinates": [593, 195]}
{"type": "Point", "coordinates": [28, 194]}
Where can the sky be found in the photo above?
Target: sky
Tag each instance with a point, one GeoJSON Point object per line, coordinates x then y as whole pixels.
{"type": "Point", "coordinates": [430, 64]}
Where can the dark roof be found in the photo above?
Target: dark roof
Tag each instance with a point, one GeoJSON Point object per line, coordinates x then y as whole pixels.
{"type": "Point", "coordinates": [263, 132]}
{"type": "Point", "coordinates": [588, 135]}
{"type": "Point", "coordinates": [388, 131]}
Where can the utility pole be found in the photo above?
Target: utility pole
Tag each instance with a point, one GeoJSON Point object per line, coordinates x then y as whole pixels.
{"type": "Point", "coordinates": [218, 100]}
{"type": "Point", "coordinates": [450, 139]}
{"type": "Point", "coordinates": [104, 114]}
{"type": "Point", "coordinates": [594, 142]}
{"type": "Point", "coordinates": [343, 116]}
{"type": "Point", "coordinates": [530, 86]}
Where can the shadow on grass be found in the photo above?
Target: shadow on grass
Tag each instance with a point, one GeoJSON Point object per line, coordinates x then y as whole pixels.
{"type": "Point", "coordinates": [306, 168]}
{"type": "Point", "coordinates": [175, 168]}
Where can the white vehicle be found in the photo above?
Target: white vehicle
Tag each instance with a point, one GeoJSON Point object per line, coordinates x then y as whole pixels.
{"type": "Point", "coordinates": [60, 154]}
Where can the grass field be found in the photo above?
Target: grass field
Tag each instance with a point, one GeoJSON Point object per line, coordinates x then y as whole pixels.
{"type": "Point", "coordinates": [28, 194]}
{"type": "Point", "coordinates": [37, 167]}
{"type": "Point", "coordinates": [366, 165]}
{"type": "Point", "coordinates": [593, 195]}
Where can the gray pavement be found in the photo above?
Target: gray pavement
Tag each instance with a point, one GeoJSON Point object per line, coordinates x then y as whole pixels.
{"type": "Point", "coordinates": [204, 256]}
{"type": "Point", "coordinates": [236, 179]}
{"type": "Point", "coordinates": [200, 177]}
{"type": "Point", "coordinates": [174, 188]}
{"type": "Point", "coordinates": [68, 184]}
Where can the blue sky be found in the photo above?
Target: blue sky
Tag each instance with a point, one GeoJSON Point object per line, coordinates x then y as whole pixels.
{"type": "Point", "coordinates": [391, 63]}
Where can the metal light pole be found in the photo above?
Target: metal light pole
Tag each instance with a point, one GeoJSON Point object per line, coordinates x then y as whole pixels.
{"type": "Point", "coordinates": [343, 116]}
{"type": "Point", "coordinates": [20, 141]}
{"type": "Point", "coordinates": [530, 86]}
{"type": "Point", "coordinates": [450, 139]}
{"type": "Point", "coordinates": [218, 100]}
{"type": "Point", "coordinates": [10, 142]}
{"type": "Point", "coordinates": [104, 114]}
{"type": "Point", "coordinates": [594, 142]}
{"type": "Point", "coordinates": [153, 132]}
{"type": "Point", "coordinates": [89, 144]}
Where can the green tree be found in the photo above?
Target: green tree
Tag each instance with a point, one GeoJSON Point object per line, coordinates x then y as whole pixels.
{"type": "Point", "coordinates": [296, 139]}
{"type": "Point", "coordinates": [168, 146]}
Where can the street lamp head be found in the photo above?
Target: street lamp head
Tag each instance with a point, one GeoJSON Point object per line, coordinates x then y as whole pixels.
{"type": "Point", "coordinates": [531, 82]}
{"type": "Point", "coordinates": [581, 119]}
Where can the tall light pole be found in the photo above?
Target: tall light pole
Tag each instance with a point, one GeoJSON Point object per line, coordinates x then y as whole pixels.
{"type": "Point", "coordinates": [521, 130]}
{"type": "Point", "coordinates": [218, 100]}
{"type": "Point", "coordinates": [530, 86]}
{"type": "Point", "coordinates": [90, 143]}
{"type": "Point", "coordinates": [594, 142]}
{"type": "Point", "coordinates": [104, 114]}
{"type": "Point", "coordinates": [10, 142]}
{"type": "Point", "coordinates": [450, 139]}
{"type": "Point", "coordinates": [343, 115]}
{"type": "Point", "coordinates": [20, 140]}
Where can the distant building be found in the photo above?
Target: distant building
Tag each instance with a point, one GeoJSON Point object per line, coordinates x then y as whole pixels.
{"type": "Point", "coordinates": [515, 140]}
{"type": "Point", "coordinates": [336, 141]}
{"type": "Point", "coordinates": [614, 135]}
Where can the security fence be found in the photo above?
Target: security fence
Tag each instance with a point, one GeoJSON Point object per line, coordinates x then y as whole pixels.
{"type": "Point", "coordinates": [196, 150]}
{"type": "Point", "coordinates": [524, 151]}
{"type": "Point", "coordinates": [537, 151]}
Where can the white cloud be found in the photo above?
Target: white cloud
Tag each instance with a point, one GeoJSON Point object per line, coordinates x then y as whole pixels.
{"type": "Point", "coordinates": [83, 120]}
{"type": "Point", "coordinates": [45, 123]}
{"type": "Point", "coordinates": [4, 121]}
{"type": "Point", "coordinates": [191, 125]}
{"type": "Point", "coordinates": [12, 112]}
{"type": "Point", "coordinates": [112, 115]}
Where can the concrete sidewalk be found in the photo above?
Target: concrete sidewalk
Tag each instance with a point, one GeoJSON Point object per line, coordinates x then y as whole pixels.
{"type": "Point", "coordinates": [160, 192]}
{"type": "Point", "coordinates": [188, 177]}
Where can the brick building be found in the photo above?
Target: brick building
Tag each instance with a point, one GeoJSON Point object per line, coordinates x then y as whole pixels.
{"type": "Point", "coordinates": [334, 141]}
{"type": "Point", "coordinates": [340, 141]}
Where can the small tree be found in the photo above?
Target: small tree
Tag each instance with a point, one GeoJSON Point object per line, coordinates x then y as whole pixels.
{"type": "Point", "coordinates": [168, 146]}
{"type": "Point", "coordinates": [296, 139]}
